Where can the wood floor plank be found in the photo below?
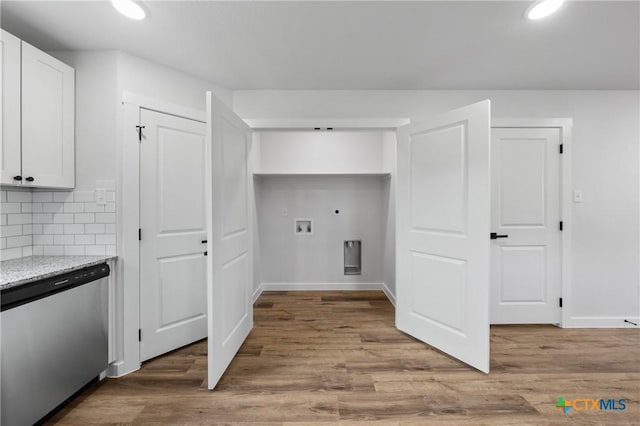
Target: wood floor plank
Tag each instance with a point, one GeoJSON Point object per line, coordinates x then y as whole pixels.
{"type": "Point", "coordinates": [327, 358]}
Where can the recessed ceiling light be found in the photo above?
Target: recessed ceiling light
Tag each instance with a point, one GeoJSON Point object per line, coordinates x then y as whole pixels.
{"type": "Point", "coordinates": [129, 8]}
{"type": "Point", "coordinates": [543, 8]}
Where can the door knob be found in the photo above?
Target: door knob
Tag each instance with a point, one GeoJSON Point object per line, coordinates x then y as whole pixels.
{"type": "Point", "coordinates": [18, 178]}
{"type": "Point", "coordinates": [495, 236]}
{"type": "Point", "coordinates": [30, 179]}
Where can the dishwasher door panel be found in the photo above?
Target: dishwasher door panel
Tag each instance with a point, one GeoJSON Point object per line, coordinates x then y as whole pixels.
{"type": "Point", "coordinates": [51, 348]}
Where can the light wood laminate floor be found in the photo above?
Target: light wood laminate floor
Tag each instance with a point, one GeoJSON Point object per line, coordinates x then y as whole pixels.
{"type": "Point", "coordinates": [336, 357]}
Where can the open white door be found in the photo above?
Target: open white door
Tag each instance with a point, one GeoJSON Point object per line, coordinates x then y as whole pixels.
{"type": "Point", "coordinates": [229, 286]}
{"type": "Point", "coordinates": [443, 217]}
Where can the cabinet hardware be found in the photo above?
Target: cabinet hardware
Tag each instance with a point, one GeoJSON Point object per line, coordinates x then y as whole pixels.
{"type": "Point", "coordinates": [18, 178]}
{"type": "Point", "coordinates": [204, 241]}
{"type": "Point", "coordinates": [30, 179]}
{"type": "Point", "coordinates": [140, 132]}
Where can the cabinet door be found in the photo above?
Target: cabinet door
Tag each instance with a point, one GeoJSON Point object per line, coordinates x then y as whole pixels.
{"type": "Point", "coordinates": [48, 95]}
{"type": "Point", "coordinates": [10, 161]}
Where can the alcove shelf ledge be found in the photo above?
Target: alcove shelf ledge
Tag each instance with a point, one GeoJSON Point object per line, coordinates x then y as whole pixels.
{"type": "Point", "coordinates": [321, 174]}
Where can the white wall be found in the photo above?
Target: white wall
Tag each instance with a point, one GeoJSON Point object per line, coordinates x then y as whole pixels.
{"type": "Point", "coordinates": [606, 232]}
{"type": "Point", "coordinates": [321, 152]}
{"type": "Point", "coordinates": [318, 258]}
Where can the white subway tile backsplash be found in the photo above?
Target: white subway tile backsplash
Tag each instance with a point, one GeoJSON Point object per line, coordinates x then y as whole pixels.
{"type": "Point", "coordinates": [97, 228]}
{"type": "Point", "coordinates": [41, 240]}
{"type": "Point", "coordinates": [11, 253]}
{"type": "Point", "coordinates": [42, 218]}
{"type": "Point", "coordinates": [85, 239]}
{"type": "Point", "coordinates": [93, 207]}
{"type": "Point", "coordinates": [52, 207]}
{"type": "Point", "coordinates": [53, 229]}
{"type": "Point", "coordinates": [10, 208]}
{"type": "Point", "coordinates": [74, 228]}
{"type": "Point", "coordinates": [19, 197]}
{"type": "Point", "coordinates": [53, 250]}
{"type": "Point", "coordinates": [23, 240]}
{"type": "Point", "coordinates": [95, 250]}
{"type": "Point", "coordinates": [74, 207]}
{"type": "Point", "coordinates": [10, 230]}
{"type": "Point", "coordinates": [84, 218]}
{"type": "Point", "coordinates": [63, 197]}
{"type": "Point", "coordinates": [105, 218]}
{"type": "Point", "coordinates": [74, 250]}
{"type": "Point", "coordinates": [19, 218]}
{"type": "Point", "coordinates": [37, 223]}
{"type": "Point", "coordinates": [63, 240]}
{"type": "Point", "coordinates": [63, 218]}
{"type": "Point", "coordinates": [83, 196]}
{"type": "Point", "coordinates": [42, 197]}
{"type": "Point", "coordinates": [106, 239]}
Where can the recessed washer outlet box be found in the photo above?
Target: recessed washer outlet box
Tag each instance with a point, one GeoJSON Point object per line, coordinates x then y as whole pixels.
{"type": "Point", "coordinates": [352, 257]}
{"type": "Point", "coordinates": [303, 227]}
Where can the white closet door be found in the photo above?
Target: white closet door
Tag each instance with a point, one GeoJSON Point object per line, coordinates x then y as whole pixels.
{"type": "Point", "coordinates": [526, 261]}
{"type": "Point", "coordinates": [48, 98]}
{"type": "Point", "coordinates": [10, 158]}
{"type": "Point", "coordinates": [173, 233]}
{"type": "Point", "coordinates": [443, 212]}
{"type": "Point", "coordinates": [230, 315]}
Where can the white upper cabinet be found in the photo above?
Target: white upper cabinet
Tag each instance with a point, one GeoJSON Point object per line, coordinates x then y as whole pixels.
{"type": "Point", "coordinates": [38, 117]}
{"type": "Point", "coordinates": [10, 161]}
{"type": "Point", "coordinates": [48, 93]}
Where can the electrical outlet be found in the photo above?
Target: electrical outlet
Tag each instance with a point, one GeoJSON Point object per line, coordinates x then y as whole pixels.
{"type": "Point", "coordinates": [101, 197]}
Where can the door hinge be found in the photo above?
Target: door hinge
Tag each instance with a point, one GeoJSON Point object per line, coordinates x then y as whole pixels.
{"type": "Point", "coordinates": [561, 225]}
{"type": "Point", "coordinates": [139, 234]}
{"type": "Point", "coordinates": [140, 132]}
{"type": "Point", "coordinates": [561, 148]}
{"type": "Point", "coordinates": [560, 302]}
{"type": "Point", "coordinates": [139, 335]}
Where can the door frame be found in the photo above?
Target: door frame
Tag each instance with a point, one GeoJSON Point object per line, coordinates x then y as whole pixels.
{"type": "Point", "coordinates": [128, 218]}
{"type": "Point", "coordinates": [564, 125]}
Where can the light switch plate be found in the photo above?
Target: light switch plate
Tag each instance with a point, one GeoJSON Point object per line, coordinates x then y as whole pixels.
{"type": "Point", "coordinates": [101, 197]}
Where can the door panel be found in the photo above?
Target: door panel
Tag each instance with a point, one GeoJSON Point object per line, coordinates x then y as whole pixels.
{"type": "Point", "coordinates": [526, 271]}
{"type": "Point", "coordinates": [172, 209]}
{"type": "Point", "coordinates": [10, 117]}
{"type": "Point", "coordinates": [230, 266]}
{"type": "Point", "coordinates": [48, 99]}
{"type": "Point", "coordinates": [443, 213]}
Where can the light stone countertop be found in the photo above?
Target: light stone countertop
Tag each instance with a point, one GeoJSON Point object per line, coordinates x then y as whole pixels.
{"type": "Point", "coordinates": [16, 272]}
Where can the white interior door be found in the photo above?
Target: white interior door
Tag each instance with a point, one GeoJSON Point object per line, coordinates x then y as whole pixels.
{"type": "Point", "coordinates": [173, 233]}
{"type": "Point", "coordinates": [443, 209]}
{"type": "Point", "coordinates": [525, 215]}
{"type": "Point", "coordinates": [230, 264]}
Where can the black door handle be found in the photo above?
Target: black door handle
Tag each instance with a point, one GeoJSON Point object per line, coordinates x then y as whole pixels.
{"type": "Point", "coordinates": [18, 178]}
{"type": "Point", "coordinates": [204, 241]}
{"type": "Point", "coordinates": [495, 236]}
{"type": "Point", "coordinates": [30, 179]}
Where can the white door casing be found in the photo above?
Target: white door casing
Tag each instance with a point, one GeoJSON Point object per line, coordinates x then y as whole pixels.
{"type": "Point", "coordinates": [526, 266]}
{"type": "Point", "coordinates": [48, 117]}
{"type": "Point", "coordinates": [442, 245]}
{"type": "Point", "coordinates": [173, 232]}
{"type": "Point", "coordinates": [230, 272]}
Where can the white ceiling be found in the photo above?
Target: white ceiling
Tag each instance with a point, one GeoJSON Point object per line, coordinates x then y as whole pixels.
{"type": "Point", "coordinates": [356, 45]}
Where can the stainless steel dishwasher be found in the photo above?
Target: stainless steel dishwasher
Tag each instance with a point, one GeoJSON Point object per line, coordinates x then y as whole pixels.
{"type": "Point", "coordinates": [54, 341]}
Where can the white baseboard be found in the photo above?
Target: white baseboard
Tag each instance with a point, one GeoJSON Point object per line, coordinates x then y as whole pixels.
{"type": "Point", "coordinates": [601, 322]}
{"type": "Point", "coordinates": [389, 294]}
{"type": "Point", "coordinates": [320, 286]}
{"type": "Point", "coordinates": [257, 292]}
{"type": "Point", "coordinates": [117, 369]}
